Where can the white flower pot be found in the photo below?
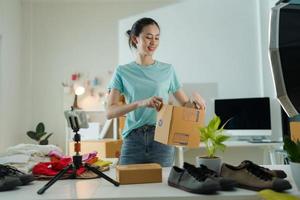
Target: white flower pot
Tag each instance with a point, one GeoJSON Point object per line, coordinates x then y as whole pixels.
{"type": "Point", "coordinates": [295, 169]}
{"type": "Point", "coordinates": [211, 163]}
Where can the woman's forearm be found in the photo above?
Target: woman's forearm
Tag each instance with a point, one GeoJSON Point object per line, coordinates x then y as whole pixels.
{"type": "Point", "coordinates": [116, 110]}
{"type": "Point", "coordinates": [120, 110]}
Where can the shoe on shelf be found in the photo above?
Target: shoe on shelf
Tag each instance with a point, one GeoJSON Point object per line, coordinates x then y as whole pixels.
{"type": "Point", "coordinates": [9, 183]}
{"type": "Point", "coordinates": [225, 183]}
{"type": "Point", "coordinates": [186, 180]}
{"type": "Point", "coordinates": [275, 173]}
{"type": "Point", "coordinates": [253, 177]}
{"type": "Point", "coordinates": [10, 171]}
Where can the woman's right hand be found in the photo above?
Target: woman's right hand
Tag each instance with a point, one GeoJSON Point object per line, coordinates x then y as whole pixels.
{"type": "Point", "coordinates": [152, 102]}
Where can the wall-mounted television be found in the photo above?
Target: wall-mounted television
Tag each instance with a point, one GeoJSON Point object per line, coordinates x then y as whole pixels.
{"type": "Point", "coordinates": [248, 117]}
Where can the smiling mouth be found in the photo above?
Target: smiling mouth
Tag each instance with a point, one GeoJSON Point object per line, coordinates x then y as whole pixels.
{"type": "Point", "coordinates": [151, 48]}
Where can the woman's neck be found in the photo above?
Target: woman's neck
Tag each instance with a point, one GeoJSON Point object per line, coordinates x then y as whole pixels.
{"type": "Point", "coordinates": [144, 60]}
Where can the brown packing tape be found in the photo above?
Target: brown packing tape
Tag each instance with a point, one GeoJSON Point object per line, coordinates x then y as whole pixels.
{"type": "Point", "coordinates": [191, 115]}
{"type": "Point", "coordinates": [180, 139]}
{"type": "Point", "coordinates": [160, 106]}
{"type": "Point", "coordinates": [189, 104]}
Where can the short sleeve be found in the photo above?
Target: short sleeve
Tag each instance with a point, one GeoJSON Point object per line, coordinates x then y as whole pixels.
{"type": "Point", "coordinates": [116, 81]}
{"type": "Point", "coordinates": [175, 83]}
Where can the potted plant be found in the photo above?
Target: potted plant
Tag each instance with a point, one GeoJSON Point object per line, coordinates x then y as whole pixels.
{"type": "Point", "coordinates": [39, 134]}
{"type": "Point", "coordinates": [213, 138]}
{"type": "Point", "coordinates": [292, 149]}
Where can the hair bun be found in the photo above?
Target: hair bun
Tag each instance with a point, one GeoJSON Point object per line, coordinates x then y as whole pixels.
{"type": "Point", "coordinates": [128, 32]}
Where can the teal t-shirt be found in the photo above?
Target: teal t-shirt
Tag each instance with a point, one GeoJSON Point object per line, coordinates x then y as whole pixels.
{"type": "Point", "coordinates": [137, 82]}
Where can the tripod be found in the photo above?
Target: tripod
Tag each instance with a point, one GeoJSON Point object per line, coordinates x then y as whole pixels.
{"type": "Point", "coordinates": [77, 162]}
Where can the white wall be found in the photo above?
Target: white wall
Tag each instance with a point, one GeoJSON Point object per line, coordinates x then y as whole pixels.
{"type": "Point", "coordinates": [214, 41]}
{"type": "Point", "coordinates": [11, 98]}
{"type": "Point", "coordinates": [63, 37]}
{"type": "Point", "coordinates": [208, 41]}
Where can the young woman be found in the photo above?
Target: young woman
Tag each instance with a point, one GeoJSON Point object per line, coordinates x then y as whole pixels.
{"type": "Point", "coordinates": [146, 84]}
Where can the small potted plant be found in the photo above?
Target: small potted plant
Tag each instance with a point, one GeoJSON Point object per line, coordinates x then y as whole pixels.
{"type": "Point", "coordinates": [39, 134]}
{"type": "Point", "coordinates": [292, 149]}
{"type": "Point", "coordinates": [213, 138]}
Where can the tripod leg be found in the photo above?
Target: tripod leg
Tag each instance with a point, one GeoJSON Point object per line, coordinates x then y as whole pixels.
{"type": "Point", "coordinates": [54, 179]}
{"type": "Point", "coordinates": [101, 174]}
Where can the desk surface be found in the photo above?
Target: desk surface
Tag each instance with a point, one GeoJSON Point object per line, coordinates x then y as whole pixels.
{"type": "Point", "coordinates": [250, 144]}
{"type": "Point", "coordinates": [243, 144]}
{"type": "Point", "coordinates": [101, 189]}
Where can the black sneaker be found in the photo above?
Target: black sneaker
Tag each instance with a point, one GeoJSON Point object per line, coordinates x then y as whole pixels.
{"type": "Point", "coordinates": [225, 183]}
{"type": "Point", "coordinates": [253, 177]}
{"type": "Point", "coordinates": [275, 173]}
{"type": "Point", "coordinates": [9, 171]}
{"type": "Point", "coordinates": [185, 180]}
{"type": "Point", "coordinates": [8, 183]}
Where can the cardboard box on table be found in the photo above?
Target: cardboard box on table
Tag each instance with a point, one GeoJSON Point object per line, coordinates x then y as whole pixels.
{"type": "Point", "coordinates": [295, 130]}
{"type": "Point", "coordinates": [179, 126]}
{"type": "Point", "coordinates": [110, 148]}
{"type": "Point", "coordinates": [139, 173]}
{"type": "Point", "coordinates": [106, 148]}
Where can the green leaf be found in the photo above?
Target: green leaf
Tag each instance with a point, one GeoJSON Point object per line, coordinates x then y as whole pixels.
{"type": "Point", "coordinates": [226, 122]}
{"type": "Point", "coordinates": [203, 137]}
{"type": "Point", "coordinates": [292, 148]}
{"type": "Point", "coordinates": [43, 142]}
{"type": "Point", "coordinates": [214, 123]}
{"type": "Point", "coordinates": [203, 130]}
{"type": "Point", "coordinates": [220, 146]}
{"type": "Point", "coordinates": [298, 150]}
{"type": "Point", "coordinates": [39, 135]}
{"type": "Point", "coordinates": [212, 136]}
{"type": "Point", "coordinates": [32, 135]}
{"type": "Point", "coordinates": [221, 138]}
{"type": "Point", "coordinates": [204, 134]}
{"type": "Point", "coordinates": [46, 138]}
{"type": "Point", "coordinates": [40, 127]}
{"type": "Point", "coordinates": [217, 122]}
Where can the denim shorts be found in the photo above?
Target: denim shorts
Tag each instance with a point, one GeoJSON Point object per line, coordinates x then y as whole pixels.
{"type": "Point", "coordinates": [139, 147]}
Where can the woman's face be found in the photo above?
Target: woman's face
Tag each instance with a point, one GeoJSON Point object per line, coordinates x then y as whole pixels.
{"type": "Point", "coordinates": [148, 40]}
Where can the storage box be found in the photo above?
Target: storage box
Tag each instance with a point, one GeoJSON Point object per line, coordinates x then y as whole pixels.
{"type": "Point", "coordinates": [109, 148]}
{"type": "Point", "coordinates": [121, 123]}
{"type": "Point", "coordinates": [106, 148]}
{"type": "Point", "coordinates": [139, 173]}
{"type": "Point", "coordinates": [295, 130]}
{"type": "Point", "coordinates": [179, 126]}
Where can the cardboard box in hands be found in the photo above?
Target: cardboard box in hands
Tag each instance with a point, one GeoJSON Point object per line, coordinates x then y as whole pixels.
{"type": "Point", "coordinates": [179, 126]}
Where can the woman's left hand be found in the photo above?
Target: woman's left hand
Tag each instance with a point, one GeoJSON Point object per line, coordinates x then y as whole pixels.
{"type": "Point", "coordinates": [198, 101]}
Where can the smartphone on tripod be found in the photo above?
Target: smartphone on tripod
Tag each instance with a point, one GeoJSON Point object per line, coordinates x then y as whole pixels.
{"type": "Point", "coordinates": [79, 115]}
{"type": "Point", "coordinates": [76, 119]}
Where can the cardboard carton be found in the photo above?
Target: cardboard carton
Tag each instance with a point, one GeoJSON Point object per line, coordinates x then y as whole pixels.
{"type": "Point", "coordinates": [121, 123]}
{"type": "Point", "coordinates": [295, 130]}
{"type": "Point", "coordinates": [106, 148]}
{"type": "Point", "coordinates": [110, 148]}
{"type": "Point", "coordinates": [139, 173]}
{"type": "Point", "coordinates": [179, 126]}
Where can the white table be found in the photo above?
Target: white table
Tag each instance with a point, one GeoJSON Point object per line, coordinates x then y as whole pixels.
{"type": "Point", "coordinates": [268, 149]}
{"type": "Point", "coordinates": [101, 189]}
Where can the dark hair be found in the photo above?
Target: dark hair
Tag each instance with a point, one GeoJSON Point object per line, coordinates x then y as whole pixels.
{"type": "Point", "coordinates": [137, 28]}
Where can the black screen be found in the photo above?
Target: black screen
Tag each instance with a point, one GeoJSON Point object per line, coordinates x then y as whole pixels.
{"type": "Point", "coordinates": [289, 48]}
{"type": "Point", "coordinates": [245, 113]}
